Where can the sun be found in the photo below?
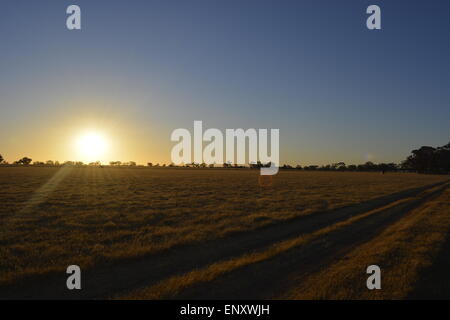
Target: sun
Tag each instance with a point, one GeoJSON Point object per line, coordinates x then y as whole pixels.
{"type": "Point", "coordinates": [91, 146]}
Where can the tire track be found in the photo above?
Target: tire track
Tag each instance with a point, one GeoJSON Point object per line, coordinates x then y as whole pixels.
{"type": "Point", "coordinates": [269, 278]}
{"type": "Point", "coordinates": [122, 276]}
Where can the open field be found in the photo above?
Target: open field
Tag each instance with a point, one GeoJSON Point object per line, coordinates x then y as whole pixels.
{"type": "Point", "coordinates": [196, 233]}
{"type": "Point", "coordinates": [406, 250]}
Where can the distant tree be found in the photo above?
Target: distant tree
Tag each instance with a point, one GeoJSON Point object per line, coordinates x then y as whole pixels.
{"type": "Point", "coordinates": [150, 164]}
{"type": "Point", "coordinates": [443, 158]}
{"type": "Point", "coordinates": [298, 167]}
{"type": "Point", "coordinates": [340, 166]}
{"type": "Point", "coordinates": [256, 165]}
{"type": "Point", "coordinates": [429, 159]}
{"type": "Point", "coordinates": [1, 159]}
{"type": "Point", "coordinates": [368, 166]}
{"type": "Point", "coordinates": [421, 159]}
{"type": "Point", "coordinates": [49, 163]}
{"type": "Point", "coordinates": [227, 164]}
{"type": "Point", "coordinates": [24, 161]}
{"type": "Point", "coordinates": [384, 167]}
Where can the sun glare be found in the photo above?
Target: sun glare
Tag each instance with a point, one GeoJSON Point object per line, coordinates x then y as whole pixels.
{"type": "Point", "coordinates": [91, 146]}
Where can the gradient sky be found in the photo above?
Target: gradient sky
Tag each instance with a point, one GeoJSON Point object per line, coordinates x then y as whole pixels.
{"type": "Point", "coordinates": [140, 69]}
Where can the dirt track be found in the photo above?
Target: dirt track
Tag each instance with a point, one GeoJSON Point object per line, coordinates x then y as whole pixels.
{"type": "Point", "coordinates": [260, 280]}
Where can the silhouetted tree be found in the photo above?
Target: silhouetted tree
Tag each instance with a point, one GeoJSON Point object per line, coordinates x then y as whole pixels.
{"type": "Point", "coordinates": [340, 166]}
{"type": "Point", "coordinates": [384, 167]}
{"type": "Point", "coordinates": [421, 159]}
{"type": "Point", "coordinates": [443, 158]}
{"type": "Point", "coordinates": [24, 161]}
{"type": "Point", "coordinates": [256, 165]}
{"type": "Point", "coordinates": [1, 159]}
{"type": "Point", "coordinates": [368, 166]}
{"type": "Point", "coordinates": [429, 159]}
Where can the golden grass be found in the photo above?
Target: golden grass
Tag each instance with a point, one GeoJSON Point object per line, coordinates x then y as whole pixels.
{"type": "Point", "coordinates": [93, 215]}
{"type": "Point", "coordinates": [402, 251]}
{"type": "Point", "coordinates": [170, 287]}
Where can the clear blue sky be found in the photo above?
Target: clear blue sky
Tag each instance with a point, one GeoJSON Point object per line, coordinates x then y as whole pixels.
{"type": "Point", "coordinates": [336, 90]}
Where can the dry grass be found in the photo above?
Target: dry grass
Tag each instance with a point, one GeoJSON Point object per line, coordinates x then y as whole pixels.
{"type": "Point", "coordinates": [51, 218]}
{"type": "Point", "coordinates": [170, 287]}
{"type": "Point", "coordinates": [402, 251]}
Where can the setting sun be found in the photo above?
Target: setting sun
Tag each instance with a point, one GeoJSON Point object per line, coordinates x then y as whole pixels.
{"type": "Point", "coordinates": [91, 146]}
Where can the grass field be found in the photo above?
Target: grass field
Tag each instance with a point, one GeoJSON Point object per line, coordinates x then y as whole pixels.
{"type": "Point", "coordinates": [404, 249]}
{"type": "Point", "coordinates": [104, 219]}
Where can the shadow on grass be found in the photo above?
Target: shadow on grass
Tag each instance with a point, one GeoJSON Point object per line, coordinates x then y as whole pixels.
{"type": "Point", "coordinates": [434, 281]}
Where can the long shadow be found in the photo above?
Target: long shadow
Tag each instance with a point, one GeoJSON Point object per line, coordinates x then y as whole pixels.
{"type": "Point", "coordinates": [434, 281]}
{"type": "Point", "coordinates": [270, 278]}
{"type": "Point", "coordinates": [121, 276]}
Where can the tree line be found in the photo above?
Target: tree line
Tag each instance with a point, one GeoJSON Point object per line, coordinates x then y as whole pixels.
{"type": "Point", "coordinates": [423, 160]}
{"type": "Point", "coordinates": [429, 160]}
